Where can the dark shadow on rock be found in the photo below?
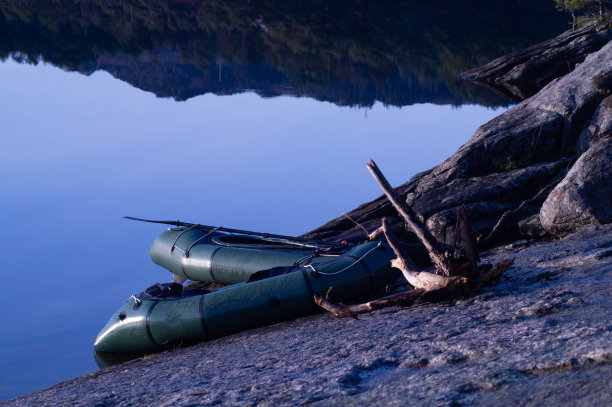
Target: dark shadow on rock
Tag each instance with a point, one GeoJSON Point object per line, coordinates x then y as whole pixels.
{"type": "Point", "coordinates": [522, 74]}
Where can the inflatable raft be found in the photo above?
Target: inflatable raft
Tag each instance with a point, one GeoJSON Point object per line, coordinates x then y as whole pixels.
{"type": "Point", "coordinates": [167, 314]}
{"type": "Point", "coordinates": [207, 254]}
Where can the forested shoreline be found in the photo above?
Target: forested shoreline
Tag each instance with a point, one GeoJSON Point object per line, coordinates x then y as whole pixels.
{"type": "Point", "coordinates": [398, 53]}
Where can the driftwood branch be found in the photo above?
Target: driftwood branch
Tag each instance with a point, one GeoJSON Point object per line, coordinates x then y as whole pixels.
{"type": "Point", "coordinates": [493, 275]}
{"type": "Point", "coordinates": [468, 236]}
{"type": "Point", "coordinates": [405, 262]}
{"type": "Point", "coordinates": [405, 298]}
{"type": "Point", "coordinates": [439, 257]}
{"type": "Point", "coordinates": [376, 234]}
{"type": "Point", "coordinates": [418, 279]}
{"type": "Point", "coordinates": [455, 278]}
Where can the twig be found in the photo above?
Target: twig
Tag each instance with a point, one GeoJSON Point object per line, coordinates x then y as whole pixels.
{"type": "Point", "coordinates": [356, 223]}
{"type": "Point", "coordinates": [492, 276]}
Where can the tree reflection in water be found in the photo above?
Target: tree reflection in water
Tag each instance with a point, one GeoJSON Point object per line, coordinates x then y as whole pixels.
{"type": "Point", "coordinates": [395, 52]}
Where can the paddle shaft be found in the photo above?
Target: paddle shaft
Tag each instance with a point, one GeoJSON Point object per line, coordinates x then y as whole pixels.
{"type": "Point", "coordinates": [229, 230]}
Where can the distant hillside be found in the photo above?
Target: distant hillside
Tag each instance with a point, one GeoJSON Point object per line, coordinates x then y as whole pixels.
{"type": "Point", "coordinates": [348, 53]}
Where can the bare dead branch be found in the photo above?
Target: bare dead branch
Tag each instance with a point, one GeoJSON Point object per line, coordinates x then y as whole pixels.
{"type": "Point", "coordinates": [328, 293]}
{"type": "Point", "coordinates": [404, 262]}
{"type": "Point", "coordinates": [468, 270]}
{"type": "Point", "coordinates": [405, 298]}
{"type": "Point", "coordinates": [416, 278]}
{"type": "Point", "coordinates": [375, 234]}
{"type": "Point", "coordinates": [468, 237]}
{"type": "Point", "coordinates": [432, 282]}
{"type": "Point", "coordinates": [501, 222]}
{"type": "Point", "coordinates": [441, 259]}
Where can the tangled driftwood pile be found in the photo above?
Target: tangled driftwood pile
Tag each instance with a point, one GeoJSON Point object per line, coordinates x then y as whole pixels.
{"type": "Point", "coordinates": [457, 274]}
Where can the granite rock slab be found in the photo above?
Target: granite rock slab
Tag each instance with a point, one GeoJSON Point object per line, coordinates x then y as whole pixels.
{"type": "Point", "coordinates": [542, 337]}
{"type": "Point", "coordinates": [584, 197]}
{"type": "Point", "coordinates": [522, 74]}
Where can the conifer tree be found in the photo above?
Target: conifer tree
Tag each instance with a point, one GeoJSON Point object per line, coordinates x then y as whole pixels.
{"type": "Point", "coordinates": [574, 6]}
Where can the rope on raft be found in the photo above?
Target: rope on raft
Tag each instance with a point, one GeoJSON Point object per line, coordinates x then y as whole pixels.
{"type": "Point", "coordinates": [347, 267]}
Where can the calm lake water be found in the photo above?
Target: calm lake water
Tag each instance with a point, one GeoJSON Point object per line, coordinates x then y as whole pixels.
{"type": "Point", "coordinates": [152, 131]}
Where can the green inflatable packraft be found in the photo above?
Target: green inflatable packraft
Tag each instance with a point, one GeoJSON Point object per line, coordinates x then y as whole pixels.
{"type": "Point", "coordinates": [147, 323]}
{"type": "Point", "coordinates": [203, 254]}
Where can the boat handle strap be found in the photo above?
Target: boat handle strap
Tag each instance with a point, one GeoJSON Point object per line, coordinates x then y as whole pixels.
{"type": "Point", "coordinates": [347, 267]}
{"type": "Point", "coordinates": [179, 236]}
{"type": "Point", "coordinates": [198, 240]}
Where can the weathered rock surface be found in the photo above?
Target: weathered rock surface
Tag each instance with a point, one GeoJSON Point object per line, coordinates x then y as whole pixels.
{"type": "Point", "coordinates": [542, 337]}
{"type": "Point", "coordinates": [531, 226]}
{"type": "Point", "coordinates": [523, 73]}
{"type": "Point", "coordinates": [486, 198]}
{"type": "Point", "coordinates": [584, 197]}
{"type": "Point", "coordinates": [513, 158]}
{"type": "Point", "coordinates": [599, 127]}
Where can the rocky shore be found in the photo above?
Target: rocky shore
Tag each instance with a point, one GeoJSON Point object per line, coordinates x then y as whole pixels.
{"type": "Point", "coordinates": [543, 336]}
{"type": "Point", "coordinates": [523, 73]}
{"type": "Point", "coordinates": [545, 162]}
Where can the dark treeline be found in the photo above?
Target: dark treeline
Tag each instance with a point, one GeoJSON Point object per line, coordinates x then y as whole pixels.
{"type": "Point", "coordinates": [346, 52]}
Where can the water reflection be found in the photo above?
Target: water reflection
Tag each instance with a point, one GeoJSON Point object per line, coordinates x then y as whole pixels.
{"type": "Point", "coordinates": [395, 52]}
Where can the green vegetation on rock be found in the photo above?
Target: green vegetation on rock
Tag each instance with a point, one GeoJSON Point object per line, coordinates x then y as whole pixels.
{"type": "Point", "coordinates": [574, 7]}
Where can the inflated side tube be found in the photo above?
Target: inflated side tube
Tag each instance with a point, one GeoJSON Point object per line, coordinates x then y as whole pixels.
{"type": "Point", "coordinates": [209, 255]}
{"type": "Point", "coordinates": [144, 324]}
